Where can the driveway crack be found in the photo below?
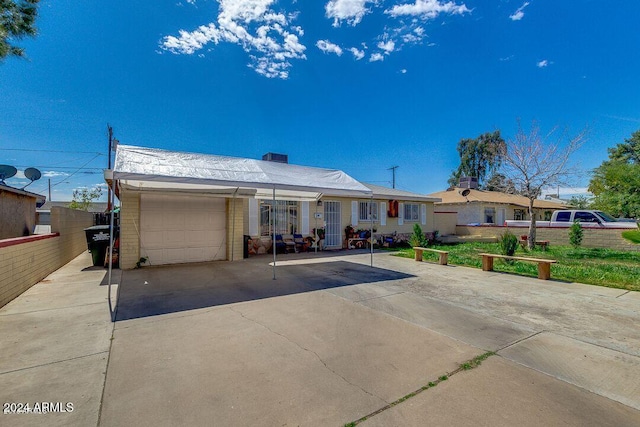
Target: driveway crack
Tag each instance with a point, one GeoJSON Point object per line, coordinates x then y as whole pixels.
{"type": "Point", "coordinates": [309, 351]}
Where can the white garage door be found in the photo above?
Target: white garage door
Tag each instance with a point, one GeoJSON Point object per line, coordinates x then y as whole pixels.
{"type": "Point", "coordinates": [178, 229]}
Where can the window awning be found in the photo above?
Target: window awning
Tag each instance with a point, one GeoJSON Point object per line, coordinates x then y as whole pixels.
{"type": "Point", "coordinates": [152, 169]}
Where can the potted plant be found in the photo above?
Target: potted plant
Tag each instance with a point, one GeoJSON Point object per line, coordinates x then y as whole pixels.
{"type": "Point", "coordinates": [348, 231]}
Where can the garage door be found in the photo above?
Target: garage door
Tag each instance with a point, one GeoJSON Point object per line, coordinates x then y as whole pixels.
{"type": "Point", "coordinates": [178, 229]}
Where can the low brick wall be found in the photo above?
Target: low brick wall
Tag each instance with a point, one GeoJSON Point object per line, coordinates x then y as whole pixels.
{"type": "Point", "coordinates": [608, 238]}
{"type": "Point", "coordinates": [24, 261]}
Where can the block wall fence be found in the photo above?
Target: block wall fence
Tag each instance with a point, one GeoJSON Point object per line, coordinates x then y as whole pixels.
{"type": "Point", "coordinates": [607, 238]}
{"type": "Point", "coordinates": [24, 261]}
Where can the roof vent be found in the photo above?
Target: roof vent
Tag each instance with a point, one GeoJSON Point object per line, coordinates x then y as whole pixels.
{"type": "Point", "coordinates": [468, 182]}
{"type": "Point", "coordinates": [275, 157]}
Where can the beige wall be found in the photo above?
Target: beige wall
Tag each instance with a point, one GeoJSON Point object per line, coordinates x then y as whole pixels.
{"type": "Point", "coordinates": [17, 214]}
{"type": "Point", "coordinates": [445, 222]}
{"type": "Point", "coordinates": [129, 229]}
{"type": "Point", "coordinates": [593, 238]}
{"type": "Point", "coordinates": [473, 212]}
{"type": "Point", "coordinates": [22, 265]}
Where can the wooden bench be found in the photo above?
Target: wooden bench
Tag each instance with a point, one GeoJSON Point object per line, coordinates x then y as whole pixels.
{"type": "Point", "coordinates": [444, 255]}
{"type": "Point", "coordinates": [544, 265]}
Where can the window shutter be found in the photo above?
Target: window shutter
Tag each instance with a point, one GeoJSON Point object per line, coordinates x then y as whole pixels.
{"type": "Point", "coordinates": [304, 212]}
{"type": "Point", "coordinates": [383, 213]}
{"type": "Point", "coordinates": [253, 217]}
{"type": "Point", "coordinates": [401, 214]}
{"type": "Point", "coordinates": [423, 214]}
{"type": "Point", "coordinates": [354, 213]}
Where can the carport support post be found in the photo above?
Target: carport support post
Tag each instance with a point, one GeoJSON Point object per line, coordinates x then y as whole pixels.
{"type": "Point", "coordinates": [273, 231]}
{"type": "Point", "coordinates": [371, 215]}
{"type": "Point", "coordinates": [113, 193]}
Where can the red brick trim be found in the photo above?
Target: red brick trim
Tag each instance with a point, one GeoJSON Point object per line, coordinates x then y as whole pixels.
{"type": "Point", "coordinates": [20, 240]}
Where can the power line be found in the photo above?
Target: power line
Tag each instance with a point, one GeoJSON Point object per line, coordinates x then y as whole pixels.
{"type": "Point", "coordinates": [78, 170]}
{"type": "Point", "coordinates": [52, 151]}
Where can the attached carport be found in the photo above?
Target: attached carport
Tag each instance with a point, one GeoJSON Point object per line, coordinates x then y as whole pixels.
{"type": "Point", "coordinates": [187, 203]}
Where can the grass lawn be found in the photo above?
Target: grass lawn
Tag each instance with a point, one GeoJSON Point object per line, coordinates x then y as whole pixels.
{"type": "Point", "coordinates": [602, 267]}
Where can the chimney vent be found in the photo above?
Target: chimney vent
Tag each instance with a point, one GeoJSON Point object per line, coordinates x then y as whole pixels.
{"type": "Point", "coordinates": [275, 157]}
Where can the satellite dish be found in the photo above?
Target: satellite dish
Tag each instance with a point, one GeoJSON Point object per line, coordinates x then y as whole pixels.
{"type": "Point", "coordinates": [465, 192]}
{"type": "Point", "coordinates": [32, 174]}
{"type": "Point", "coordinates": [6, 172]}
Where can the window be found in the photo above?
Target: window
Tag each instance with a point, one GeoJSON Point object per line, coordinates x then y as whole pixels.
{"type": "Point", "coordinates": [519, 214]}
{"type": "Point", "coordinates": [286, 215]}
{"type": "Point", "coordinates": [368, 211]}
{"type": "Point", "coordinates": [547, 215]}
{"type": "Point", "coordinates": [490, 215]}
{"type": "Point", "coordinates": [585, 217]}
{"type": "Point", "coordinates": [411, 212]}
{"type": "Point", "coordinates": [564, 216]}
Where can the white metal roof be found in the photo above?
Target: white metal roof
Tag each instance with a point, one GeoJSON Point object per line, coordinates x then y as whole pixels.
{"type": "Point", "coordinates": [153, 169]}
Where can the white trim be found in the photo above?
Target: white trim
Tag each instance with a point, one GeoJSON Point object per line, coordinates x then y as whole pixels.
{"type": "Point", "coordinates": [383, 213]}
{"type": "Point", "coordinates": [304, 212]}
{"type": "Point", "coordinates": [354, 212]}
{"type": "Point", "coordinates": [423, 214]}
{"type": "Point", "coordinates": [400, 213]}
{"type": "Point", "coordinates": [254, 217]}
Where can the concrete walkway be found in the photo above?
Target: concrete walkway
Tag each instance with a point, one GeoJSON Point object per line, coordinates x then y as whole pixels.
{"type": "Point", "coordinates": [327, 343]}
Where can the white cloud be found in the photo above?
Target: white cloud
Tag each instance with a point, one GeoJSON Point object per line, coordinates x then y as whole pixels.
{"type": "Point", "coordinates": [427, 9]}
{"type": "Point", "coordinates": [351, 11]}
{"type": "Point", "coordinates": [267, 36]}
{"type": "Point", "coordinates": [542, 64]}
{"type": "Point", "coordinates": [53, 174]}
{"type": "Point", "coordinates": [357, 54]}
{"type": "Point", "coordinates": [403, 71]}
{"type": "Point", "coordinates": [327, 47]}
{"type": "Point", "coordinates": [388, 46]}
{"type": "Point", "coordinates": [506, 58]}
{"type": "Point", "coordinates": [519, 13]}
{"type": "Point", "coordinates": [376, 57]}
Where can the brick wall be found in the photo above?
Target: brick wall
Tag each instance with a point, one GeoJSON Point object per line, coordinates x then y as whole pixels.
{"type": "Point", "coordinates": [235, 250]}
{"type": "Point", "coordinates": [129, 229]}
{"type": "Point", "coordinates": [609, 238]}
{"type": "Point", "coordinates": [26, 261]}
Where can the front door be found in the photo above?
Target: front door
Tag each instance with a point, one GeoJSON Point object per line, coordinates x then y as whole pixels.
{"type": "Point", "coordinates": [333, 231]}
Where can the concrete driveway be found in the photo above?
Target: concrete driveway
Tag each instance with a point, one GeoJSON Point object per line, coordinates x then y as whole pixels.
{"type": "Point", "coordinates": [333, 341]}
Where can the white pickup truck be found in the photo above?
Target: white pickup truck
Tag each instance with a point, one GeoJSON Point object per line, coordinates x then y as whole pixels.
{"type": "Point", "coordinates": [586, 218]}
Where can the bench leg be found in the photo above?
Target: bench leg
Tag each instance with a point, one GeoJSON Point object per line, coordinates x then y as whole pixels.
{"type": "Point", "coordinates": [443, 259]}
{"type": "Point", "coordinates": [487, 263]}
{"type": "Point", "coordinates": [418, 254]}
{"type": "Point", "coordinates": [544, 270]}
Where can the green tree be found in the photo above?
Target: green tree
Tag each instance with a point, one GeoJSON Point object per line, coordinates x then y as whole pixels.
{"type": "Point", "coordinates": [498, 182]}
{"type": "Point", "coordinates": [17, 20]}
{"type": "Point", "coordinates": [418, 238]}
{"type": "Point", "coordinates": [83, 197]}
{"type": "Point", "coordinates": [580, 202]}
{"type": "Point", "coordinates": [616, 182]}
{"type": "Point", "coordinates": [575, 234]}
{"type": "Point", "coordinates": [479, 157]}
{"type": "Point", "coordinates": [533, 162]}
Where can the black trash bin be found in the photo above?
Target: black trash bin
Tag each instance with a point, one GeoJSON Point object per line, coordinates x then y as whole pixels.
{"type": "Point", "coordinates": [98, 242]}
{"type": "Point", "coordinates": [245, 250]}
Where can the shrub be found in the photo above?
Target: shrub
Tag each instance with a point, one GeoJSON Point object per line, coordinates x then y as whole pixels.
{"type": "Point", "coordinates": [417, 238]}
{"type": "Point", "coordinates": [575, 234]}
{"type": "Point", "coordinates": [508, 243]}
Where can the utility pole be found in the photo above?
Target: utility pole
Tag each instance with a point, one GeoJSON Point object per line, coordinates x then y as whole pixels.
{"type": "Point", "coordinates": [393, 169]}
{"type": "Point", "coordinates": [50, 190]}
{"type": "Point", "coordinates": [110, 135]}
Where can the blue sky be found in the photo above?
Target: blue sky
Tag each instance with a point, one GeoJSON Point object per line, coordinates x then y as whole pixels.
{"type": "Point", "coordinates": [354, 85]}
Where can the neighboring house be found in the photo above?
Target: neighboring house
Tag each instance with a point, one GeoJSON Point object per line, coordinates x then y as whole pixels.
{"type": "Point", "coordinates": [43, 213]}
{"type": "Point", "coordinates": [184, 207]}
{"type": "Point", "coordinates": [18, 212]}
{"type": "Point", "coordinates": [491, 207]}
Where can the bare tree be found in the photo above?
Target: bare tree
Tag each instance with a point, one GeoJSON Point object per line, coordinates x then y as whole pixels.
{"type": "Point", "coordinates": [533, 162]}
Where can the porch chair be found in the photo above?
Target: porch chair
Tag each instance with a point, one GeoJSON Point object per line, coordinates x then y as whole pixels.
{"type": "Point", "coordinates": [298, 241]}
{"type": "Point", "coordinates": [280, 245]}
